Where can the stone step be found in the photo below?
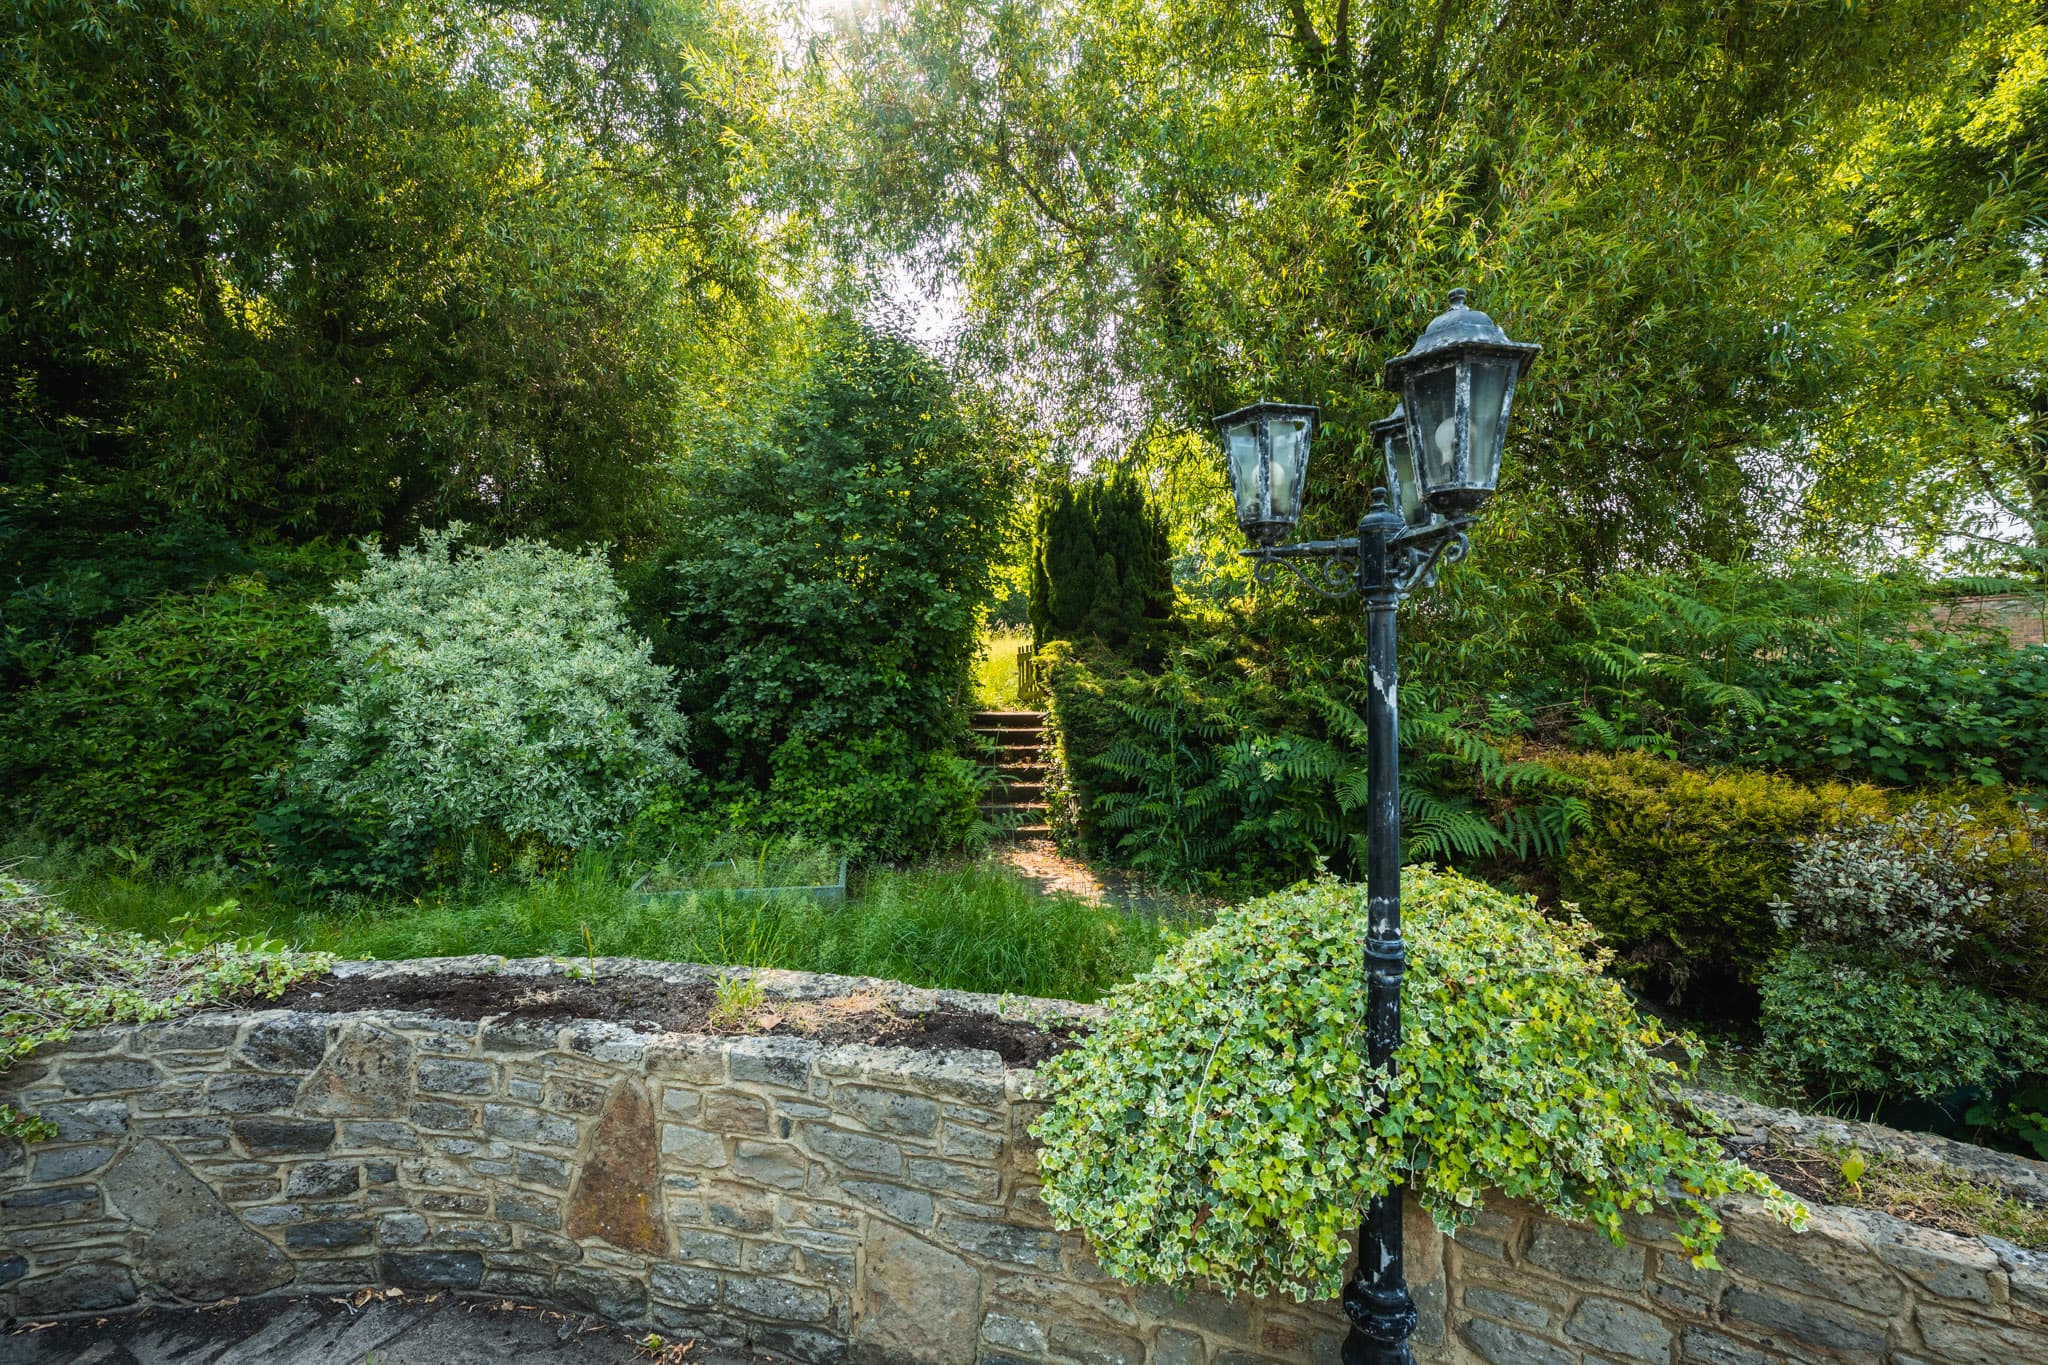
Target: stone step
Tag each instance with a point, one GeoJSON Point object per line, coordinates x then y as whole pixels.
{"type": "Point", "coordinates": [1004, 718]}
{"type": "Point", "coordinates": [1020, 792]}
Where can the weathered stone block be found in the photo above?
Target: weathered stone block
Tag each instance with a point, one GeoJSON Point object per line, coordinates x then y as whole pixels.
{"type": "Point", "coordinates": [328, 1236]}
{"type": "Point", "coordinates": [766, 1163]}
{"type": "Point", "coordinates": [531, 1210]}
{"type": "Point", "coordinates": [283, 1137]}
{"type": "Point", "coordinates": [959, 1140]}
{"type": "Point", "coordinates": [234, 1094]}
{"type": "Point", "coordinates": [1584, 1254]}
{"type": "Point", "coordinates": [1944, 1264]}
{"type": "Point", "coordinates": [758, 1296]}
{"type": "Point", "coordinates": [520, 1036]}
{"type": "Point", "coordinates": [323, 1179]}
{"type": "Point", "coordinates": [1957, 1338]}
{"type": "Point", "coordinates": [618, 1195]}
{"type": "Point", "coordinates": [613, 1043]}
{"type": "Point", "coordinates": [1507, 1307]}
{"type": "Point", "coordinates": [1698, 1346]}
{"type": "Point", "coordinates": [432, 1269]}
{"type": "Point", "coordinates": [725, 1112]}
{"type": "Point", "coordinates": [740, 1208]}
{"type": "Point", "coordinates": [108, 1077]}
{"type": "Point", "coordinates": [855, 1151]}
{"type": "Point", "coordinates": [379, 1136]}
{"type": "Point", "coordinates": [684, 1287]}
{"type": "Point", "coordinates": [62, 1163]}
{"type": "Point", "coordinates": [913, 1207]}
{"type": "Point", "coordinates": [401, 1230]}
{"type": "Point", "coordinates": [85, 1288]}
{"type": "Point", "coordinates": [1837, 1329]}
{"type": "Point", "coordinates": [291, 1042]}
{"type": "Point", "coordinates": [514, 1123]}
{"type": "Point", "coordinates": [717, 1248]}
{"type": "Point", "coordinates": [193, 1245]}
{"type": "Point", "coordinates": [919, 1302]}
{"type": "Point", "coordinates": [1175, 1347]}
{"type": "Point", "coordinates": [783, 1063]}
{"type": "Point", "coordinates": [1619, 1330]}
{"type": "Point", "coordinates": [455, 1076]}
{"type": "Point", "coordinates": [692, 1146]}
{"type": "Point", "coordinates": [442, 1117]}
{"type": "Point", "coordinates": [605, 1293]}
{"type": "Point", "coordinates": [1830, 1260]}
{"type": "Point", "coordinates": [567, 1095]}
{"type": "Point", "coordinates": [190, 1035]}
{"type": "Point", "coordinates": [887, 1111]}
{"type": "Point", "coordinates": [1002, 1242]}
{"type": "Point", "coordinates": [550, 1171]}
{"type": "Point", "coordinates": [953, 1177]}
{"type": "Point", "coordinates": [84, 1120]}
{"type": "Point", "coordinates": [444, 1201]}
{"type": "Point", "coordinates": [1501, 1345]}
{"type": "Point", "coordinates": [472, 1236]}
{"type": "Point", "coordinates": [12, 1268]}
{"type": "Point", "coordinates": [1085, 1347]}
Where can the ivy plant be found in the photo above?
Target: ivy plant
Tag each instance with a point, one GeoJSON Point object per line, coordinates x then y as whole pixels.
{"type": "Point", "coordinates": [1222, 1124]}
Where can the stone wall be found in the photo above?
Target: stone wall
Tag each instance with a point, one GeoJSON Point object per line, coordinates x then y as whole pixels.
{"type": "Point", "coordinates": [823, 1202]}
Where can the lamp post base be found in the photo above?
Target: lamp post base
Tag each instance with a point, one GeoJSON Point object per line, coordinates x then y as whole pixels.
{"type": "Point", "coordinates": [1382, 1320]}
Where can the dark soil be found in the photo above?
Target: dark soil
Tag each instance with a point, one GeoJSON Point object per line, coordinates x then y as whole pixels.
{"type": "Point", "coordinates": [648, 1001]}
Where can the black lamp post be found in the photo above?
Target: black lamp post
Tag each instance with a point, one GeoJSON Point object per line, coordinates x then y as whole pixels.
{"type": "Point", "coordinates": [1442, 452]}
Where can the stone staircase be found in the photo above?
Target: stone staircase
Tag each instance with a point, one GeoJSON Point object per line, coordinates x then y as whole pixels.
{"type": "Point", "coordinates": [1019, 796]}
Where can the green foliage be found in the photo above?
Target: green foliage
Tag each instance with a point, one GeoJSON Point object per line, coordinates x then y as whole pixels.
{"type": "Point", "coordinates": [1924, 711]}
{"type": "Point", "coordinates": [1099, 561]}
{"type": "Point", "coordinates": [474, 296]}
{"type": "Point", "coordinates": [58, 975]}
{"type": "Point", "coordinates": [1177, 206]}
{"type": "Point", "coordinates": [493, 692]}
{"type": "Point", "coordinates": [1883, 1027]}
{"type": "Point", "coordinates": [1238, 763]}
{"type": "Point", "coordinates": [820, 598]}
{"type": "Point", "coordinates": [1222, 1124]}
{"type": "Point", "coordinates": [1679, 869]}
{"type": "Point", "coordinates": [163, 737]}
{"type": "Point", "coordinates": [972, 927]}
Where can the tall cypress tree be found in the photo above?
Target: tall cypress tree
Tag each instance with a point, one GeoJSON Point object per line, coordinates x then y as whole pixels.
{"type": "Point", "coordinates": [1099, 565]}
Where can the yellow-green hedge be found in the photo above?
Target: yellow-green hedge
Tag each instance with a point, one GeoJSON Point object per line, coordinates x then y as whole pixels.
{"type": "Point", "coordinates": [1678, 867]}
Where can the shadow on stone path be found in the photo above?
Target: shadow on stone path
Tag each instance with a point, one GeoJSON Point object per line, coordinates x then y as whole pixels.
{"type": "Point", "coordinates": [328, 1331]}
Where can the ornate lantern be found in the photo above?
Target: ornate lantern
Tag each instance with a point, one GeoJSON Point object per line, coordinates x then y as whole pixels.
{"type": "Point", "coordinates": [1457, 386]}
{"type": "Point", "coordinates": [1265, 451]}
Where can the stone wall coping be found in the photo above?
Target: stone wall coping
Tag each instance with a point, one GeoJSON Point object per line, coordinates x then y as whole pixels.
{"type": "Point", "coordinates": [2021, 1175]}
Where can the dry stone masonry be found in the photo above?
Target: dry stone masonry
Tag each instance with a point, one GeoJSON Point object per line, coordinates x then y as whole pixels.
{"type": "Point", "coordinates": [827, 1203]}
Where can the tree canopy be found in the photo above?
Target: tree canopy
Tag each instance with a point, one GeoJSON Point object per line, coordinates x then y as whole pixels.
{"type": "Point", "coordinates": [1727, 224]}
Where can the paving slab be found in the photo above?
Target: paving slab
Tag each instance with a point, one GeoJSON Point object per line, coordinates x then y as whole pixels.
{"type": "Point", "coordinates": [330, 1331]}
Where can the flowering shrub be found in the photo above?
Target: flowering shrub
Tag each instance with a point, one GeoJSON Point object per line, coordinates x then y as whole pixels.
{"type": "Point", "coordinates": [484, 691]}
{"type": "Point", "coordinates": [1221, 1125]}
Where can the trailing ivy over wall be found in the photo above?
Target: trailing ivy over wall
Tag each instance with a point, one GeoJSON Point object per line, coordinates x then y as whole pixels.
{"type": "Point", "coordinates": [1221, 1124]}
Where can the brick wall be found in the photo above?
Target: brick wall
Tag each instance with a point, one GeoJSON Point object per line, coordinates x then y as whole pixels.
{"type": "Point", "coordinates": [827, 1203]}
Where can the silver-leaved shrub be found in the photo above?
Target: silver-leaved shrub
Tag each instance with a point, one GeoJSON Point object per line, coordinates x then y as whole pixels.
{"type": "Point", "coordinates": [1221, 1125]}
{"type": "Point", "coordinates": [487, 690]}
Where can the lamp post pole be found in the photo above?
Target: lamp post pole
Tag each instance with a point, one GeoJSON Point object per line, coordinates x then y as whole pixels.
{"type": "Point", "coordinates": [1376, 1300]}
{"type": "Point", "coordinates": [1441, 448]}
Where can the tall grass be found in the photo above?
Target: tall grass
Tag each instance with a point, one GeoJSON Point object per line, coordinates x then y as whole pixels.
{"type": "Point", "coordinates": [973, 927]}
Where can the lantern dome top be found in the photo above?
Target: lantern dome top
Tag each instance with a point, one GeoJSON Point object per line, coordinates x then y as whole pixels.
{"type": "Point", "coordinates": [1460, 325]}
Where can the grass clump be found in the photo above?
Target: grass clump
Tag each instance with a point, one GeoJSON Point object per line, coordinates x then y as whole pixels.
{"type": "Point", "coordinates": [1927, 1196]}
{"type": "Point", "coordinates": [59, 974]}
{"type": "Point", "coordinates": [972, 927]}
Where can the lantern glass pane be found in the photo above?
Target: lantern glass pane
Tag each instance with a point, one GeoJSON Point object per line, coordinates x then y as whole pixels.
{"type": "Point", "coordinates": [1241, 449]}
{"type": "Point", "coordinates": [1287, 438]}
{"type": "Point", "coordinates": [1431, 399]}
{"type": "Point", "coordinates": [1401, 482]}
{"type": "Point", "coordinates": [1491, 382]}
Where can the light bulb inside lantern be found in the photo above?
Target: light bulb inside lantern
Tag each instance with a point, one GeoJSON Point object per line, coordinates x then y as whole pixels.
{"type": "Point", "coordinates": [1446, 438]}
{"type": "Point", "coordinates": [1282, 481]}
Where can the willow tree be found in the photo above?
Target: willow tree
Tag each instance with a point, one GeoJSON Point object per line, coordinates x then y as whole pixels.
{"type": "Point", "coordinates": [1199, 202]}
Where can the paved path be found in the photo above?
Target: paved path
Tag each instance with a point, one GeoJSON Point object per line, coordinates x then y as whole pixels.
{"type": "Point", "coordinates": [327, 1331]}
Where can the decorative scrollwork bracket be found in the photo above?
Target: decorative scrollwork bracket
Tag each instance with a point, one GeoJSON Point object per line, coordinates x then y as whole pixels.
{"type": "Point", "coordinates": [1338, 569]}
